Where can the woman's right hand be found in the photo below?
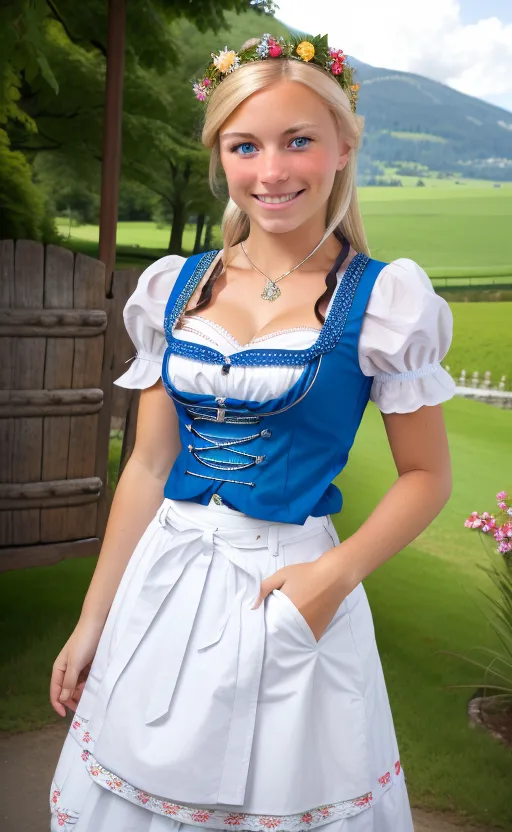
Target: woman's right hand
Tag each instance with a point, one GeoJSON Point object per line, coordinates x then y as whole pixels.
{"type": "Point", "coordinates": [72, 665]}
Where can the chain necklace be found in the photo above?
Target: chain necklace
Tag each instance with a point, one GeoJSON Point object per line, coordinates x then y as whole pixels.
{"type": "Point", "coordinates": [272, 291]}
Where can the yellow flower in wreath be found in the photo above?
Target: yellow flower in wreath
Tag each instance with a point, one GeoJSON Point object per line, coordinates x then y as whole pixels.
{"type": "Point", "coordinates": [225, 60]}
{"type": "Point", "coordinates": [305, 50]}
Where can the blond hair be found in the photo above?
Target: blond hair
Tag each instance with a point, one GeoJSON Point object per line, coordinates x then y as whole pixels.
{"type": "Point", "coordinates": [343, 206]}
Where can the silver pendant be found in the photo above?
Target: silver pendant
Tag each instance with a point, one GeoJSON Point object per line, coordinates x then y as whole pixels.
{"type": "Point", "coordinates": [271, 290]}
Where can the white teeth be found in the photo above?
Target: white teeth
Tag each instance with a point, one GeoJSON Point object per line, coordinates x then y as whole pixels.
{"type": "Point", "coordinates": [275, 199]}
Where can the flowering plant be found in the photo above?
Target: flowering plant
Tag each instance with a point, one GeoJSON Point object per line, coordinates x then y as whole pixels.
{"type": "Point", "coordinates": [500, 527]}
{"type": "Point", "coordinates": [493, 708]}
{"type": "Point", "coordinates": [311, 49]}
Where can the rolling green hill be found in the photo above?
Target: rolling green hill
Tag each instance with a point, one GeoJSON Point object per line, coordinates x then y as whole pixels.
{"type": "Point", "coordinates": [409, 118]}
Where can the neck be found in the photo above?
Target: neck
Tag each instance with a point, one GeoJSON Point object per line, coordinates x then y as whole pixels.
{"type": "Point", "coordinates": [275, 254]}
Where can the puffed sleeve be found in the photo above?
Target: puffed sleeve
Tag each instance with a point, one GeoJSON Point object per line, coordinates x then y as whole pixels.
{"type": "Point", "coordinates": [144, 321]}
{"type": "Point", "coordinates": [406, 332]}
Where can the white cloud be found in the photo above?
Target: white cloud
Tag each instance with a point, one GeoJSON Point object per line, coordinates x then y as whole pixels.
{"type": "Point", "coordinates": [426, 38]}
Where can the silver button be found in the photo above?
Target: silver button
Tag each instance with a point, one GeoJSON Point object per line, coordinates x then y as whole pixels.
{"type": "Point", "coordinates": [265, 433]}
{"type": "Point", "coordinates": [217, 499]}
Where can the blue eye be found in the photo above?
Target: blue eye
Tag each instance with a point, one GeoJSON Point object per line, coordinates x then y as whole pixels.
{"type": "Point", "coordinates": [244, 145]}
{"type": "Point", "coordinates": [301, 139]}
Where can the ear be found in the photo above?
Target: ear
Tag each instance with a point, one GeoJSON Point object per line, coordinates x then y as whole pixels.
{"type": "Point", "coordinates": [344, 155]}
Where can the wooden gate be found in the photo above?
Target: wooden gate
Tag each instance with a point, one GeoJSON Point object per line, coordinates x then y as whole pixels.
{"type": "Point", "coordinates": [58, 355]}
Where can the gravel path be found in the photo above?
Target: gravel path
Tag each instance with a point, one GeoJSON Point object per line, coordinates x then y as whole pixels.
{"type": "Point", "coordinates": [28, 760]}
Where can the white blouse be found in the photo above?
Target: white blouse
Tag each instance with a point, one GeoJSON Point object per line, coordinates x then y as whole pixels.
{"type": "Point", "coordinates": [406, 332]}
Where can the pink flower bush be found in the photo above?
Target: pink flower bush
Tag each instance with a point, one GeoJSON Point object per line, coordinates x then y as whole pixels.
{"type": "Point", "coordinates": [499, 527]}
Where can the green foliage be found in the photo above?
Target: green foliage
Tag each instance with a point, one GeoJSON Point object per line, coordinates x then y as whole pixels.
{"type": "Point", "coordinates": [22, 204]}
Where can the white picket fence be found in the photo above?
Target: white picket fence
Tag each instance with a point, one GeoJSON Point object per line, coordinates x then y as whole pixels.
{"type": "Point", "coordinates": [482, 387]}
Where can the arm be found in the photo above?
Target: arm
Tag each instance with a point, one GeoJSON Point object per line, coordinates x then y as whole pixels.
{"type": "Point", "coordinates": [420, 449]}
{"type": "Point", "coordinates": [419, 445]}
{"type": "Point", "coordinates": [138, 495]}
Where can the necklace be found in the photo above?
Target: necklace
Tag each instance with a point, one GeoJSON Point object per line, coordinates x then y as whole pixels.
{"type": "Point", "coordinates": [272, 291]}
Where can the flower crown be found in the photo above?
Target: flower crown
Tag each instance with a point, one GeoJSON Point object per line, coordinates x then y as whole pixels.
{"type": "Point", "coordinates": [313, 50]}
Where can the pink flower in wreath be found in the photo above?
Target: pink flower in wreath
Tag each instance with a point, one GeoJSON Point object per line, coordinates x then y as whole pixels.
{"type": "Point", "coordinates": [170, 808]}
{"type": "Point", "coordinates": [397, 767]}
{"type": "Point", "coordinates": [274, 49]}
{"type": "Point", "coordinates": [85, 755]}
{"type": "Point", "coordinates": [55, 796]}
{"type": "Point", "coordinates": [234, 819]}
{"type": "Point", "coordinates": [501, 495]}
{"type": "Point", "coordinates": [62, 818]}
{"type": "Point", "coordinates": [385, 778]}
{"type": "Point", "coordinates": [307, 817]}
{"type": "Point", "coordinates": [269, 822]}
{"type": "Point", "coordinates": [143, 797]}
{"type": "Point", "coordinates": [202, 815]}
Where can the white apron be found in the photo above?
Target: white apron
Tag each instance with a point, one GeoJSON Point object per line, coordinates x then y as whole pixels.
{"type": "Point", "coordinates": [207, 712]}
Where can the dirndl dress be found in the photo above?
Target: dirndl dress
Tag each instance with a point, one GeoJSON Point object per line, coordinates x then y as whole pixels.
{"type": "Point", "coordinates": [192, 687]}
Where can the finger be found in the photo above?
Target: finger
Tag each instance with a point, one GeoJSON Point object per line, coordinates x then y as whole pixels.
{"type": "Point", "coordinates": [68, 683]}
{"type": "Point", "coordinates": [55, 690]}
{"type": "Point", "coordinates": [275, 581]}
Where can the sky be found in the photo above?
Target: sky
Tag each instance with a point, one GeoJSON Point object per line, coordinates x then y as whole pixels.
{"type": "Point", "coordinates": [466, 44]}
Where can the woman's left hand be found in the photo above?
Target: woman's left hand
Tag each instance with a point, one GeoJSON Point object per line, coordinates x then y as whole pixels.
{"type": "Point", "coordinates": [317, 589]}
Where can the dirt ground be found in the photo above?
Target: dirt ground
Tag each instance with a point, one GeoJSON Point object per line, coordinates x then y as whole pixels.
{"type": "Point", "coordinates": [27, 762]}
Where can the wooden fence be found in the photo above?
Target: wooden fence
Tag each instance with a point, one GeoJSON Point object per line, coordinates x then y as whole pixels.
{"type": "Point", "coordinates": [62, 342]}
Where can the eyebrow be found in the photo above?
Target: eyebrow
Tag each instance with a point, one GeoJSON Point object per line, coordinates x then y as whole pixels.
{"type": "Point", "coordinates": [303, 126]}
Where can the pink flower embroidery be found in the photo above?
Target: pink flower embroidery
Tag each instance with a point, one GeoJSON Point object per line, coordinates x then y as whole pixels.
{"type": "Point", "coordinates": [170, 808]}
{"type": "Point", "coordinates": [62, 818]}
{"type": "Point", "coordinates": [324, 811]}
{"type": "Point", "coordinates": [95, 770]}
{"type": "Point", "coordinates": [201, 815]}
{"type": "Point", "coordinates": [143, 797]}
{"type": "Point", "coordinates": [307, 817]}
{"type": "Point", "coordinates": [385, 778]}
{"type": "Point", "coordinates": [76, 724]}
{"type": "Point", "coordinates": [55, 796]}
{"type": "Point", "coordinates": [85, 755]}
{"type": "Point", "coordinates": [115, 785]}
{"type": "Point", "coordinates": [364, 801]}
{"type": "Point", "coordinates": [234, 819]}
{"type": "Point", "coordinates": [397, 767]}
{"type": "Point", "coordinates": [86, 737]}
{"type": "Point", "coordinates": [269, 822]}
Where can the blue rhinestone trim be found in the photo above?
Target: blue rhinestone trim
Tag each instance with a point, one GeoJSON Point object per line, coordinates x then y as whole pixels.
{"type": "Point", "coordinates": [330, 333]}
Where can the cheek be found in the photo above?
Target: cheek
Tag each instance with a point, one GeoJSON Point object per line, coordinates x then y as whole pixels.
{"type": "Point", "coordinates": [314, 167]}
{"type": "Point", "coordinates": [238, 173]}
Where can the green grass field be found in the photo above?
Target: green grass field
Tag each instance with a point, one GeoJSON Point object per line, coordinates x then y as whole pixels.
{"type": "Point", "coordinates": [452, 232]}
{"type": "Point", "coordinates": [424, 600]}
{"type": "Point", "coordinates": [482, 340]}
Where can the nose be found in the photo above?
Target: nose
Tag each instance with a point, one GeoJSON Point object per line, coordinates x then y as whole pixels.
{"type": "Point", "coordinates": [273, 167]}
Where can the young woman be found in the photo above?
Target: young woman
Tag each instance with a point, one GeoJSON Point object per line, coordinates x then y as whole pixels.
{"type": "Point", "coordinates": [224, 669]}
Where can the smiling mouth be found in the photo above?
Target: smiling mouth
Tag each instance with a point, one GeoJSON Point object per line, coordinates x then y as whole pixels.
{"type": "Point", "coordinates": [276, 200]}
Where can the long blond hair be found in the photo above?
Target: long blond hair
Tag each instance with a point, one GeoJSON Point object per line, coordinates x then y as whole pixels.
{"type": "Point", "coordinates": [343, 206]}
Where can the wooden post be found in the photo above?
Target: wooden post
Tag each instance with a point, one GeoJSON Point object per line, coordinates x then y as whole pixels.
{"type": "Point", "coordinates": [112, 124]}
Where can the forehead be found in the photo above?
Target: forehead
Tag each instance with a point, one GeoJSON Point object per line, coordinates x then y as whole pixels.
{"type": "Point", "coordinates": [277, 108]}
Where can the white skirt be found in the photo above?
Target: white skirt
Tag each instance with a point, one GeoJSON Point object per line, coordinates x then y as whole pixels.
{"type": "Point", "coordinates": [201, 711]}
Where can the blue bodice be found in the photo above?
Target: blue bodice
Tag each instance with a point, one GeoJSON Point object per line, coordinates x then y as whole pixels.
{"type": "Point", "coordinates": [274, 460]}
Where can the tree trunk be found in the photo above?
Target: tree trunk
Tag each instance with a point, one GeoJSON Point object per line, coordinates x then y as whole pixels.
{"type": "Point", "coordinates": [199, 231]}
{"type": "Point", "coordinates": [208, 235]}
{"type": "Point", "coordinates": [178, 227]}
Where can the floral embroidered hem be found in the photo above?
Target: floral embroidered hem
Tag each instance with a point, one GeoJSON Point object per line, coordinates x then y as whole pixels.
{"type": "Point", "coordinates": [213, 818]}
